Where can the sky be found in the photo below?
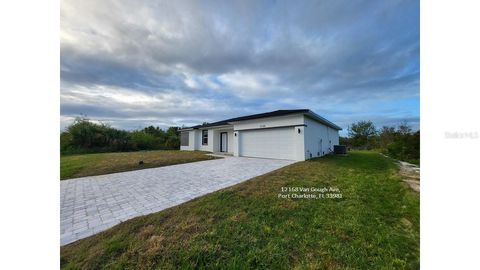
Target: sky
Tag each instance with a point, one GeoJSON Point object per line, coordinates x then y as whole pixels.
{"type": "Point", "coordinates": [131, 64]}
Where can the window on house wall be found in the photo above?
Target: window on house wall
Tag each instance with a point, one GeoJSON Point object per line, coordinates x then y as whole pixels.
{"type": "Point", "coordinates": [204, 137]}
{"type": "Point", "coordinates": [184, 138]}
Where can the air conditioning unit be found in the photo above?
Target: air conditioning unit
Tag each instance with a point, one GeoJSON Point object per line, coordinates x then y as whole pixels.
{"type": "Point", "coordinates": [340, 149]}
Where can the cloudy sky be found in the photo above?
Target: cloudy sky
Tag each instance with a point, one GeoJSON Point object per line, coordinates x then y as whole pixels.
{"type": "Point", "coordinates": [173, 63]}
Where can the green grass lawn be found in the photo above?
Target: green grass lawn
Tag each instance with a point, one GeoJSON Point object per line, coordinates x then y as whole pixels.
{"type": "Point", "coordinates": [375, 225]}
{"type": "Point", "coordinates": [103, 163]}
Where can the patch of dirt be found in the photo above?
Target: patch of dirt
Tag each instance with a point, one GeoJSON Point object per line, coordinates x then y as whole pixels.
{"type": "Point", "coordinates": [405, 222]}
{"type": "Point", "coordinates": [410, 173]}
{"type": "Point", "coordinates": [154, 244]}
{"type": "Point", "coordinates": [239, 216]}
{"type": "Point", "coordinates": [147, 231]}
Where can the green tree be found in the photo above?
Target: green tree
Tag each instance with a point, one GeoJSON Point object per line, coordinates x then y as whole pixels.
{"type": "Point", "coordinates": [386, 136]}
{"type": "Point", "coordinates": [65, 141]}
{"type": "Point", "coordinates": [172, 140]}
{"type": "Point", "coordinates": [405, 144]}
{"type": "Point", "coordinates": [362, 134]}
{"type": "Point", "coordinates": [85, 133]}
{"type": "Point", "coordinates": [404, 128]}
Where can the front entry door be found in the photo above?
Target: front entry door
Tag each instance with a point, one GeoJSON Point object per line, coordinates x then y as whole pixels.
{"type": "Point", "coordinates": [223, 142]}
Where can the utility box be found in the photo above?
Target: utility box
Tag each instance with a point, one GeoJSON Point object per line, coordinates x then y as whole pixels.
{"type": "Point", "coordinates": [340, 149]}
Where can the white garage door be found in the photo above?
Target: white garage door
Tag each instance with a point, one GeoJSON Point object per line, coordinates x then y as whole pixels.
{"type": "Point", "coordinates": [275, 143]}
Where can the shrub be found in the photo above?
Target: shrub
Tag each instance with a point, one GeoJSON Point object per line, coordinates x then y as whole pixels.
{"type": "Point", "coordinates": [144, 141]}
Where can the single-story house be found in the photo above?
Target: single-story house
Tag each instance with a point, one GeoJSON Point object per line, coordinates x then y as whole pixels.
{"type": "Point", "coordinates": [284, 134]}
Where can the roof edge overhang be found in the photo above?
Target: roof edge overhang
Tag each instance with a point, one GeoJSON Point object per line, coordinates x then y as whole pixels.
{"type": "Point", "coordinates": [226, 123]}
{"type": "Point", "coordinates": [185, 129]}
{"type": "Point", "coordinates": [206, 127]}
{"type": "Point", "coordinates": [322, 120]}
{"type": "Point", "coordinates": [267, 117]}
{"type": "Point", "coordinates": [215, 127]}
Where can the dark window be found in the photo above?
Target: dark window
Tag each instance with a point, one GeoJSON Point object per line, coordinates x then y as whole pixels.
{"type": "Point", "coordinates": [204, 137]}
{"type": "Point", "coordinates": [184, 138]}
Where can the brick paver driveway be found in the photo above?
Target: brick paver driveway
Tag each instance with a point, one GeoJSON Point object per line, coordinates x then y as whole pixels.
{"type": "Point", "coordinates": [90, 205]}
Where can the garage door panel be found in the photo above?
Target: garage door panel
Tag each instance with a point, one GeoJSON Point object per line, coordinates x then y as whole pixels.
{"type": "Point", "coordinates": [268, 143]}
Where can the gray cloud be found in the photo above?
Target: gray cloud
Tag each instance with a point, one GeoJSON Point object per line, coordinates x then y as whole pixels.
{"type": "Point", "coordinates": [180, 62]}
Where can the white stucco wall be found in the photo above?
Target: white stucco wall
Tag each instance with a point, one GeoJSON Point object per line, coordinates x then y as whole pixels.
{"type": "Point", "coordinates": [236, 146]}
{"type": "Point", "coordinates": [202, 147]}
{"type": "Point", "coordinates": [231, 142]}
{"type": "Point", "coordinates": [191, 141]}
{"type": "Point", "coordinates": [319, 138]}
{"type": "Point", "coordinates": [299, 143]}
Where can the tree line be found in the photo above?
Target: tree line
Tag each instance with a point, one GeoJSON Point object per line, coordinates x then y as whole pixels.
{"type": "Point", "coordinates": [85, 136]}
{"type": "Point", "coordinates": [397, 142]}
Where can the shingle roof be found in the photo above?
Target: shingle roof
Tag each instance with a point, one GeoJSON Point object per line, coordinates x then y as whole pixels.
{"type": "Point", "coordinates": [264, 115]}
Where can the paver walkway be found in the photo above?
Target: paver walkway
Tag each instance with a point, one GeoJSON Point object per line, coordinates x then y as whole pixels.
{"type": "Point", "coordinates": [89, 205]}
